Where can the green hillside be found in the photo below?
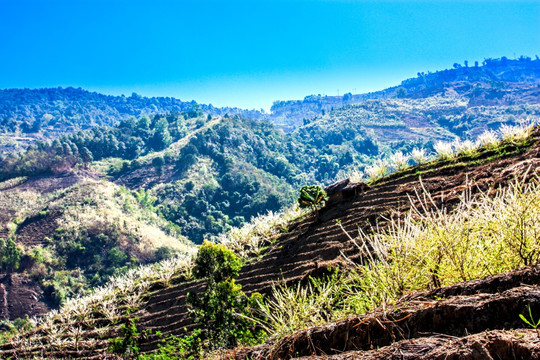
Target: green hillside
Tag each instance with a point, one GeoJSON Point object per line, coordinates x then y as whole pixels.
{"type": "Point", "coordinates": [147, 187]}
{"type": "Point", "coordinates": [494, 82]}
{"type": "Point", "coordinates": [27, 115]}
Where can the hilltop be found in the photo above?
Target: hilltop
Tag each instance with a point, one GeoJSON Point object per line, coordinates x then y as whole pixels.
{"type": "Point", "coordinates": [494, 82]}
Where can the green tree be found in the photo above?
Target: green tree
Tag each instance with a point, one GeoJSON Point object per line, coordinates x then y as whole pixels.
{"type": "Point", "coordinates": [221, 309]}
{"type": "Point", "coordinates": [312, 196]}
{"type": "Point", "coordinates": [86, 156]}
{"type": "Point", "coordinates": [158, 163]}
{"type": "Point", "coordinates": [10, 255]}
{"type": "Point", "coordinates": [161, 138]}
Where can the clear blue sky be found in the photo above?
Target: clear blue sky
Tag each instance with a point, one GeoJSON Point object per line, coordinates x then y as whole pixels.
{"type": "Point", "coordinates": [249, 53]}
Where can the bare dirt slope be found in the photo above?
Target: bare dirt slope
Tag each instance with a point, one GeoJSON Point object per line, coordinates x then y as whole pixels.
{"type": "Point", "coordinates": [309, 246]}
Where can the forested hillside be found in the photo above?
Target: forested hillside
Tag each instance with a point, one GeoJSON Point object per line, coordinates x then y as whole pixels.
{"type": "Point", "coordinates": [484, 84]}
{"type": "Point", "coordinates": [189, 176]}
{"type": "Point", "coordinates": [206, 173]}
{"type": "Point", "coordinates": [30, 114]}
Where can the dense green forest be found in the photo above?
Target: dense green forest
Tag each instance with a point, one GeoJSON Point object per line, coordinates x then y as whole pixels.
{"type": "Point", "coordinates": [34, 114]}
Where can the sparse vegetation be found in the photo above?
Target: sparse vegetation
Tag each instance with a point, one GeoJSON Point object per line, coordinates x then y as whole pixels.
{"type": "Point", "coordinates": [427, 247]}
{"type": "Point", "coordinates": [377, 170]}
{"type": "Point", "coordinates": [444, 150]}
{"type": "Point", "coordinates": [419, 156]}
{"type": "Point", "coordinates": [399, 161]}
{"type": "Point", "coordinates": [530, 320]}
{"type": "Point", "coordinates": [252, 238]}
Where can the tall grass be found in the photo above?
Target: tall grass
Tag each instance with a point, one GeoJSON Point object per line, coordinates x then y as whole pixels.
{"type": "Point", "coordinates": [488, 138]}
{"type": "Point", "coordinates": [251, 239]}
{"type": "Point", "coordinates": [419, 155]}
{"type": "Point", "coordinates": [399, 160]}
{"type": "Point", "coordinates": [465, 147]}
{"type": "Point", "coordinates": [377, 170]}
{"type": "Point", "coordinates": [427, 247]}
{"type": "Point", "coordinates": [444, 150]}
{"type": "Point", "coordinates": [516, 132]}
{"type": "Point", "coordinates": [430, 247]}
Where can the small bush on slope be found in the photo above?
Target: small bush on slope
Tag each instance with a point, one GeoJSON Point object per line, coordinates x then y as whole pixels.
{"type": "Point", "coordinates": [222, 310]}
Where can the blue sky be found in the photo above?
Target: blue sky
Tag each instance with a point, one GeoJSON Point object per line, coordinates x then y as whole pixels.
{"type": "Point", "coordinates": [249, 53]}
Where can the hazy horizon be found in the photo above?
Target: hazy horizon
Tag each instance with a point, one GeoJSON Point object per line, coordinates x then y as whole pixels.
{"type": "Point", "coordinates": [249, 54]}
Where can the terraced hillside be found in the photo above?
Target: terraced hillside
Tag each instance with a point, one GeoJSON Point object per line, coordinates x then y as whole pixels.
{"type": "Point", "coordinates": [471, 320]}
{"type": "Point", "coordinates": [306, 247]}
{"type": "Point", "coordinates": [494, 82]}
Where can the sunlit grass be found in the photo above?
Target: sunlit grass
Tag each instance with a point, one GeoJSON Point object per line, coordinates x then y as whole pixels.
{"type": "Point", "coordinates": [419, 155]}
{"type": "Point", "coordinates": [250, 240]}
{"type": "Point", "coordinates": [488, 138]}
{"type": "Point", "coordinates": [466, 147]}
{"type": "Point", "coordinates": [399, 160]}
{"type": "Point", "coordinates": [444, 150]}
{"type": "Point", "coordinates": [377, 170]}
{"type": "Point", "coordinates": [425, 248]}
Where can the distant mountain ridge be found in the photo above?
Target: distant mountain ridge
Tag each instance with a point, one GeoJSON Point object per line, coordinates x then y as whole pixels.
{"type": "Point", "coordinates": [291, 113]}
{"type": "Point", "coordinates": [27, 115]}
{"type": "Point", "coordinates": [47, 113]}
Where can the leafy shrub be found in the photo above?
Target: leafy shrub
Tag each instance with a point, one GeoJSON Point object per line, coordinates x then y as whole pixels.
{"type": "Point", "coordinates": [312, 196]}
{"type": "Point", "coordinates": [175, 347]}
{"type": "Point", "coordinates": [10, 255]}
{"type": "Point", "coordinates": [127, 344]}
{"type": "Point", "coordinates": [222, 310]}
